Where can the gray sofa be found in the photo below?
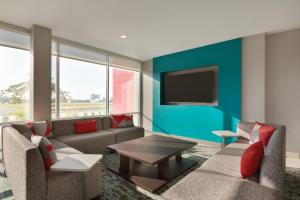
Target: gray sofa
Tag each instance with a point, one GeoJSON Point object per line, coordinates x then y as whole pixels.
{"type": "Point", "coordinates": [25, 168]}
{"type": "Point", "coordinates": [219, 177]}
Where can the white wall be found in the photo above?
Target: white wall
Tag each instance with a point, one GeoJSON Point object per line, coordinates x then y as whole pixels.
{"type": "Point", "coordinates": [253, 78]}
{"type": "Point", "coordinates": [147, 94]}
{"type": "Point", "coordinates": [283, 84]}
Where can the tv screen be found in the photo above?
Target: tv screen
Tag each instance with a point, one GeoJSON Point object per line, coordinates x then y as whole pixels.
{"type": "Point", "coordinates": [196, 86]}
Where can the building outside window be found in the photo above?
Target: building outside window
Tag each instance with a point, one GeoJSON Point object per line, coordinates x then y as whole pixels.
{"type": "Point", "coordinates": [124, 90]}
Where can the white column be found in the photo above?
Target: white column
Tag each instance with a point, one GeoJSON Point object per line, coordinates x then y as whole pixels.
{"type": "Point", "coordinates": [41, 73]}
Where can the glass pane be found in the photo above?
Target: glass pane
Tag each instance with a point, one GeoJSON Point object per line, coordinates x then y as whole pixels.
{"type": "Point", "coordinates": [14, 39]}
{"type": "Point", "coordinates": [14, 84]}
{"type": "Point", "coordinates": [124, 90]}
{"type": "Point", "coordinates": [53, 87]}
{"type": "Point", "coordinates": [82, 54]}
{"type": "Point", "coordinates": [82, 88]}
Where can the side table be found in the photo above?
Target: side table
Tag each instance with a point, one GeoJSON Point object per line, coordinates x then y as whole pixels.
{"type": "Point", "coordinates": [224, 134]}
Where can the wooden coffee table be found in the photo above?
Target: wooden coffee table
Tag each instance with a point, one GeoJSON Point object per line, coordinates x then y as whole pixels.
{"type": "Point", "coordinates": [152, 161]}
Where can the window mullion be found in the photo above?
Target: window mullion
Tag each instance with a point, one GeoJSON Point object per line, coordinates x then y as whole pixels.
{"type": "Point", "coordinates": [107, 85]}
{"type": "Point", "coordinates": [57, 99]}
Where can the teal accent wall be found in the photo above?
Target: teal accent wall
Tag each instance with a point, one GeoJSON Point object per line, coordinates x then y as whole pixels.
{"type": "Point", "coordinates": [199, 121]}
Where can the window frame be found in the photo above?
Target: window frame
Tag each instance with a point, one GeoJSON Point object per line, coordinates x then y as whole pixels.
{"type": "Point", "coordinates": [108, 65]}
{"type": "Point", "coordinates": [16, 30]}
{"type": "Point", "coordinates": [25, 32]}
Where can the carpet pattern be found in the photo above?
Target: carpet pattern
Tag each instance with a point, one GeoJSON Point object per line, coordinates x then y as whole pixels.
{"type": "Point", "coordinates": [116, 188]}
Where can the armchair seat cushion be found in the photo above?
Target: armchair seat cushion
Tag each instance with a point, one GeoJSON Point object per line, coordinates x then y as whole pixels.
{"type": "Point", "coordinates": [89, 142]}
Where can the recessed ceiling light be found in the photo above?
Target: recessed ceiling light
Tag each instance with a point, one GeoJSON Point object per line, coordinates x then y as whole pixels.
{"type": "Point", "coordinates": [123, 36]}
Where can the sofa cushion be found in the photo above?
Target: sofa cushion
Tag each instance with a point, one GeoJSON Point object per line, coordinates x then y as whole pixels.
{"type": "Point", "coordinates": [107, 122]}
{"type": "Point", "coordinates": [57, 144]}
{"type": "Point", "coordinates": [90, 142]}
{"type": "Point", "coordinates": [209, 185]}
{"type": "Point", "coordinates": [66, 126]}
{"type": "Point", "coordinates": [229, 158]}
{"type": "Point", "coordinates": [46, 148]}
{"type": "Point", "coordinates": [24, 129]}
{"type": "Point", "coordinates": [251, 159]}
{"type": "Point", "coordinates": [62, 150]}
{"type": "Point", "coordinates": [129, 133]}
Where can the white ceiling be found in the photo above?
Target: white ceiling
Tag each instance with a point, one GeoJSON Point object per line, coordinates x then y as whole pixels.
{"type": "Point", "coordinates": [153, 27]}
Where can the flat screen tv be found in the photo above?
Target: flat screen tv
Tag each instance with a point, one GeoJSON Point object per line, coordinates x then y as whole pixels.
{"type": "Point", "coordinates": [190, 87]}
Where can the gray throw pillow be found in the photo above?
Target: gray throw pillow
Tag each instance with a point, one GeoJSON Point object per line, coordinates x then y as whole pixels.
{"type": "Point", "coordinates": [46, 148]}
{"type": "Point", "coordinates": [42, 128]}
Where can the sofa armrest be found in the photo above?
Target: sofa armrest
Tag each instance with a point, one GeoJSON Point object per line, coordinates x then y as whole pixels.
{"type": "Point", "coordinates": [24, 166]}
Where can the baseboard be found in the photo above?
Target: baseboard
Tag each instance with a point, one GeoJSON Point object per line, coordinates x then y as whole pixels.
{"type": "Point", "coordinates": [205, 142]}
{"type": "Point", "coordinates": [292, 155]}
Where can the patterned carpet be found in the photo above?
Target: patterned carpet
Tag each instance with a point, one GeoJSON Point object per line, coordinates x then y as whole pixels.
{"type": "Point", "coordinates": [116, 188]}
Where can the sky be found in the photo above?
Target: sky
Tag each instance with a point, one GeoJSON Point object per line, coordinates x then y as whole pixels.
{"type": "Point", "coordinates": [75, 78]}
{"type": "Point", "coordinates": [79, 78]}
{"type": "Point", "coordinates": [14, 66]}
{"type": "Point", "coordinates": [82, 78]}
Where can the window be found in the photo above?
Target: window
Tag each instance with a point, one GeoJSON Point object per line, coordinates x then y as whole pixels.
{"type": "Point", "coordinates": [15, 76]}
{"type": "Point", "coordinates": [82, 88]}
{"type": "Point", "coordinates": [83, 84]}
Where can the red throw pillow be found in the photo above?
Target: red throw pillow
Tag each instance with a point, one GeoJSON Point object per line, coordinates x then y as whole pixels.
{"type": "Point", "coordinates": [85, 126]}
{"type": "Point", "coordinates": [261, 132]}
{"type": "Point", "coordinates": [122, 121]}
{"type": "Point", "coordinates": [265, 133]}
{"type": "Point", "coordinates": [251, 159]}
{"type": "Point", "coordinates": [117, 121]}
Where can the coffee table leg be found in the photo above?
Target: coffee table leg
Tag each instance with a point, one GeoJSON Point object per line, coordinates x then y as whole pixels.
{"type": "Point", "coordinates": [123, 164]}
{"type": "Point", "coordinates": [163, 169]}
